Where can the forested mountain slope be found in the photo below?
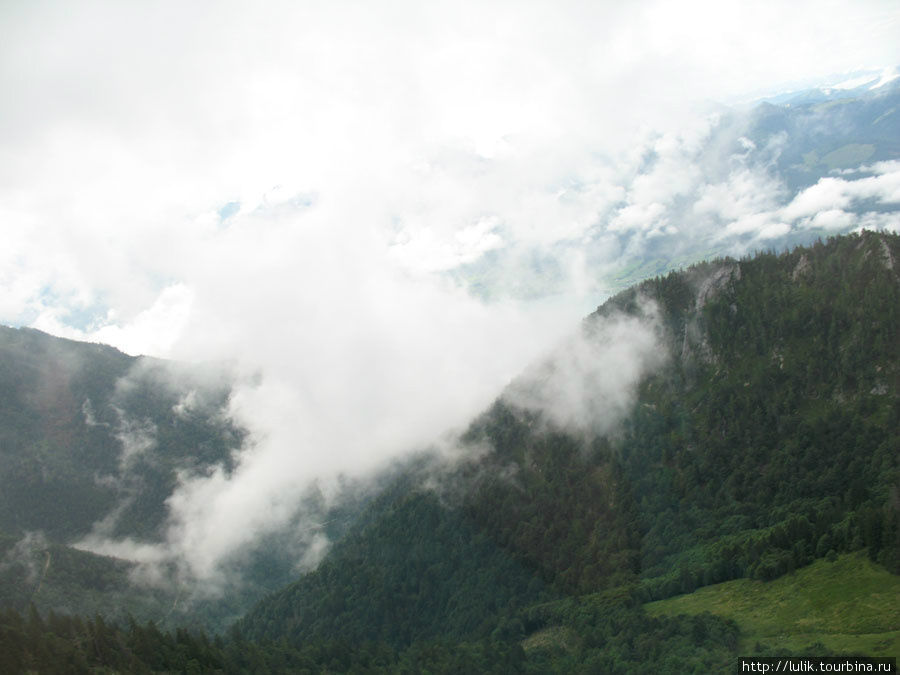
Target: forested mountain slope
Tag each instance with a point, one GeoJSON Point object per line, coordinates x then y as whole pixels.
{"type": "Point", "coordinates": [775, 438]}
{"type": "Point", "coordinates": [91, 441]}
{"type": "Point", "coordinates": [86, 430]}
{"type": "Point", "coordinates": [767, 439]}
{"type": "Point", "coordinates": [760, 433]}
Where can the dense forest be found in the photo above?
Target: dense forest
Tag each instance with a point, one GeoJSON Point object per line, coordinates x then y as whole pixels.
{"type": "Point", "coordinates": [767, 439]}
{"type": "Point", "coordinates": [91, 443]}
{"type": "Point", "coordinates": [86, 429]}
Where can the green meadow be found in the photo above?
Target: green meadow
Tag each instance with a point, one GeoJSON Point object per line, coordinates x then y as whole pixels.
{"type": "Point", "coordinates": [851, 606]}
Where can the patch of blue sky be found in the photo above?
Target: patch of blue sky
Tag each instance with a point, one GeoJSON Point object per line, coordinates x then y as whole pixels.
{"type": "Point", "coordinates": [69, 310]}
{"type": "Point", "coordinates": [228, 210]}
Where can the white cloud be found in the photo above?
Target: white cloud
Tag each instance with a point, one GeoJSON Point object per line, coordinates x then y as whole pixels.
{"type": "Point", "coordinates": [370, 148]}
{"type": "Point", "coordinates": [889, 74]}
{"type": "Point", "coordinates": [884, 187]}
{"type": "Point", "coordinates": [746, 191]}
{"type": "Point", "coordinates": [750, 223]}
{"type": "Point", "coordinates": [590, 381]}
{"type": "Point", "coordinates": [879, 221]}
{"type": "Point", "coordinates": [638, 217]}
{"type": "Point", "coordinates": [425, 252]}
{"type": "Point", "coordinates": [829, 197]}
{"type": "Point", "coordinates": [773, 230]}
{"type": "Point", "coordinates": [833, 219]}
{"type": "Point", "coordinates": [152, 331]}
{"type": "Point", "coordinates": [826, 195]}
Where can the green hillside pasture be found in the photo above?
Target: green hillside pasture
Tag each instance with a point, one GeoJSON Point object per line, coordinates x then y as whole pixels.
{"type": "Point", "coordinates": [851, 606]}
{"type": "Point", "coordinates": [848, 156]}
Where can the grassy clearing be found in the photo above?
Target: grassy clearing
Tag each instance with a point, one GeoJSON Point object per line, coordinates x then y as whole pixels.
{"type": "Point", "coordinates": [850, 605]}
{"type": "Point", "coordinates": [847, 156]}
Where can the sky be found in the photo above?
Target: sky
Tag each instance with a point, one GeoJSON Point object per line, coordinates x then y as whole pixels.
{"type": "Point", "coordinates": [314, 190]}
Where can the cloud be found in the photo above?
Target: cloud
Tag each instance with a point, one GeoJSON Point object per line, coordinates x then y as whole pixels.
{"type": "Point", "coordinates": [353, 372]}
{"type": "Point", "coordinates": [308, 191]}
{"type": "Point", "coordinates": [119, 142]}
{"type": "Point", "coordinates": [746, 191]}
{"type": "Point", "coordinates": [828, 194]}
{"type": "Point", "coordinates": [345, 361]}
{"type": "Point", "coordinates": [832, 219]}
{"type": "Point", "coordinates": [136, 437]}
{"type": "Point", "coordinates": [423, 254]}
{"type": "Point", "coordinates": [749, 203]}
{"type": "Point", "coordinates": [879, 221]}
{"type": "Point", "coordinates": [589, 383]}
{"type": "Point", "coordinates": [151, 331]}
{"type": "Point", "coordinates": [829, 204]}
{"type": "Point", "coordinates": [31, 554]}
{"type": "Point", "coordinates": [773, 230]}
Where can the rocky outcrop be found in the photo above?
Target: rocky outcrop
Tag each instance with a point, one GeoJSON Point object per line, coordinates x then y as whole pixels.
{"type": "Point", "coordinates": [695, 343]}
{"type": "Point", "coordinates": [801, 269]}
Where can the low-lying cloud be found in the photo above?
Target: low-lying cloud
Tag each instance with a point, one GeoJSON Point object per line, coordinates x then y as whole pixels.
{"type": "Point", "coordinates": [381, 213]}
{"type": "Point", "coordinates": [589, 383]}
{"type": "Point", "coordinates": [342, 367]}
{"type": "Point", "coordinates": [30, 555]}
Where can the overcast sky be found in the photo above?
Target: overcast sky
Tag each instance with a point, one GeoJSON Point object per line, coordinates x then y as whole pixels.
{"type": "Point", "coordinates": [156, 155]}
{"type": "Point", "coordinates": [291, 185]}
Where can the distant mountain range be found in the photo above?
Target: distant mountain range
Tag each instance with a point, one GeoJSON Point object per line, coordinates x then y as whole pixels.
{"type": "Point", "coordinates": [757, 159]}
{"type": "Point", "coordinates": [849, 85]}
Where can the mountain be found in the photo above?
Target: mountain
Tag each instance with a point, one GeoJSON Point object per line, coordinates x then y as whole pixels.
{"type": "Point", "coordinates": [92, 442]}
{"type": "Point", "coordinates": [767, 440]}
{"type": "Point", "coordinates": [822, 133]}
{"type": "Point", "coordinates": [89, 433]}
{"type": "Point", "coordinates": [847, 85]}
{"type": "Point", "coordinates": [734, 420]}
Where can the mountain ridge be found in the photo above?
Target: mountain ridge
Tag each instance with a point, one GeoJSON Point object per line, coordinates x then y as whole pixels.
{"type": "Point", "coordinates": [752, 431]}
{"type": "Point", "coordinates": [638, 509]}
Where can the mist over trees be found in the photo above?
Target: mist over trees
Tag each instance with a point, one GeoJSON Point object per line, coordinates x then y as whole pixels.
{"type": "Point", "coordinates": [761, 436]}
